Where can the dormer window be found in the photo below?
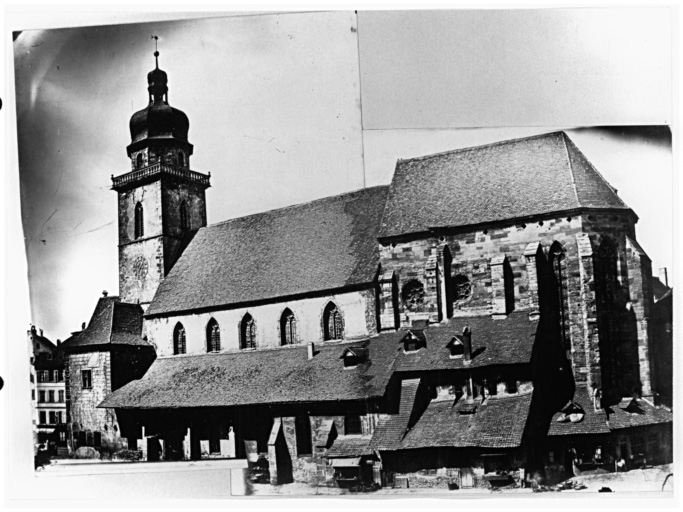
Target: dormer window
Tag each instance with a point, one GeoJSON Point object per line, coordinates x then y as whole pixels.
{"type": "Point", "coordinates": [456, 346]}
{"type": "Point", "coordinates": [353, 356]}
{"type": "Point", "coordinates": [414, 340]}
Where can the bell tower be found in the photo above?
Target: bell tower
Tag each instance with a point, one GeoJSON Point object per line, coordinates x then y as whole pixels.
{"type": "Point", "coordinates": [162, 203]}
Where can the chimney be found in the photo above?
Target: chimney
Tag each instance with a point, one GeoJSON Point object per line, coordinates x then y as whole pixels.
{"type": "Point", "coordinates": [664, 276]}
{"type": "Point", "coordinates": [467, 343]}
{"type": "Point", "coordinates": [83, 326]}
{"type": "Point", "coordinates": [59, 342]}
{"type": "Point", "coordinates": [311, 350]}
{"type": "Point", "coordinates": [105, 293]}
{"type": "Point", "coordinates": [41, 333]}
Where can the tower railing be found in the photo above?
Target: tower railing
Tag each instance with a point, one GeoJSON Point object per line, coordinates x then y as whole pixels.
{"type": "Point", "coordinates": [156, 169]}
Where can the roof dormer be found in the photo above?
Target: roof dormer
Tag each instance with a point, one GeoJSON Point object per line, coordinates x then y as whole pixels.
{"type": "Point", "coordinates": [414, 340]}
{"type": "Point", "coordinates": [353, 356]}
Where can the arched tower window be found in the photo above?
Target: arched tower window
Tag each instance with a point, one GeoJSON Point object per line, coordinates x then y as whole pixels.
{"type": "Point", "coordinates": [181, 159]}
{"type": "Point", "coordinates": [184, 224]}
{"type": "Point", "coordinates": [139, 161]}
{"type": "Point", "coordinates": [287, 328]}
{"type": "Point", "coordinates": [332, 323]}
{"type": "Point", "coordinates": [247, 332]}
{"type": "Point", "coordinates": [139, 221]}
{"type": "Point", "coordinates": [179, 345]}
{"type": "Point", "coordinates": [213, 336]}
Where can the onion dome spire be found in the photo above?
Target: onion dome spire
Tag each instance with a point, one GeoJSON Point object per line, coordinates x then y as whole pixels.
{"type": "Point", "coordinates": [158, 123]}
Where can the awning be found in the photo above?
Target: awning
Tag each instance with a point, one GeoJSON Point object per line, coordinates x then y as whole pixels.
{"type": "Point", "coordinates": [345, 463]}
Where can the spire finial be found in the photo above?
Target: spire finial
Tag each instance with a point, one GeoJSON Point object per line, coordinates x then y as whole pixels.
{"type": "Point", "coordinates": [156, 49]}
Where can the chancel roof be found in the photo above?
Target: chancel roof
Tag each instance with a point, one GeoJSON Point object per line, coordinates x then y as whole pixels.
{"type": "Point", "coordinates": [506, 180]}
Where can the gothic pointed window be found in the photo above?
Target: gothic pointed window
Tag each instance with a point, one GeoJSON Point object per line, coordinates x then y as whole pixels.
{"type": "Point", "coordinates": [332, 323]}
{"type": "Point", "coordinates": [139, 221]}
{"type": "Point", "coordinates": [247, 332]}
{"type": "Point", "coordinates": [213, 336]}
{"type": "Point", "coordinates": [608, 315]}
{"type": "Point", "coordinates": [287, 328]}
{"type": "Point", "coordinates": [558, 267]}
{"type": "Point", "coordinates": [183, 216]}
{"type": "Point", "coordinates": [179, 344]}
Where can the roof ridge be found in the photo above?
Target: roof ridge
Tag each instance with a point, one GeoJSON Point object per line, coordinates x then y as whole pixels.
{"type": "Point", "coordinates": [296, 205]}
{"type": "Point", "coordinates": [113, 312]}
{"type": "Point", "coordinates": [481, 146]}
{"type": "Point", "coordinates": [592, 168]}
{"type": "Point", "coordinates": [565, 137]}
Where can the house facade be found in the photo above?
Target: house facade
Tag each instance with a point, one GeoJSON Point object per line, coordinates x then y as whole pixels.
{"type": "Point", "coordinates": [48, 390]}
{"type": "Point", "coordinates": [436, 330]}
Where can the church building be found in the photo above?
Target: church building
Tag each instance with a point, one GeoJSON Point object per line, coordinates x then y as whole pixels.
{"type": "Point", "coordinates": [484, 317]}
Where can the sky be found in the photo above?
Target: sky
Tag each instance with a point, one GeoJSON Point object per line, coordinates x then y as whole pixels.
{"type": "Point", "coordinates": [293, 107]}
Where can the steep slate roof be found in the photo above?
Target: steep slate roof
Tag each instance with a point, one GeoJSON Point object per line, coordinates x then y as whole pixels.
{"type": "Point", "coordinates": [326, 244]}
{"type": "Point", "coordinates": [647, 414]}
{"type": "Point", "coordinates": [269, 376]}
{"type": "Point", "coordinates": [505, 180]}
{"type": "Point", "coordinates": [505, 341]}
{"type": "Point", "coordinates": [113, 323]}
{"type": "Point", "coordinates": [350, 446]}
{"type": "Point", "coordinates": [594, 422]}
{"type": "Point", "coordinates": [498, 422]}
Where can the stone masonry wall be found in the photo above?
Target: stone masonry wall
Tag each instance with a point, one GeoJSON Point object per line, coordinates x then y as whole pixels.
{"type": "Point", "coordinates": [83, 402]}
{"type": "Point", "coordinates": [174, 192]}
{"type": "Point", "coordinates": [474, 252]}
{"type": "Point", "coordinates": [630, 350]}
{"type": "Point", "coordinates": [141, 262]}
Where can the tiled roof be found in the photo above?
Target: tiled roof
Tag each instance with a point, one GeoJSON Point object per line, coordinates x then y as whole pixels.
{"type": "Point", "coordinates": [494, 341]}
{"type": "Point", "coordinates": [641, 413]}
{"type": "Point", "coordinates": [269, 376]}
{"type": "Point", "coordinates": [389, 432]}
{"type": "Point", "coordinates": [498, 422]}
{"type": "Point", "coordinates": [113, 323]}
{"type": "Point", "coordinates": [350, 446]}
{"type": "Point", "coordinates": [507, 180]}
{"type": "Point", "coordinates": [326, 244]}
{"type": "Point", "coordinates": [593, 422]}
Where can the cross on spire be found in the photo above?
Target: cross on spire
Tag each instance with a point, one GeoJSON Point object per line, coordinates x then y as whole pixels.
{"type": "Point", "coordinates": [156, 49]}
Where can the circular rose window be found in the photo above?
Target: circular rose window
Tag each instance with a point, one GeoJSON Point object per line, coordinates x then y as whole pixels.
{"type": "Point", "coordinates": [413, 295]}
